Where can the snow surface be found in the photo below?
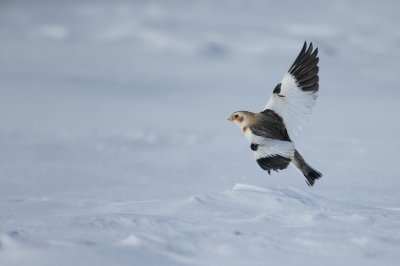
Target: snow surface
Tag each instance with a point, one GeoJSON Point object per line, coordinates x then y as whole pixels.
{"type": "Point", "coordinates": [115, 148]}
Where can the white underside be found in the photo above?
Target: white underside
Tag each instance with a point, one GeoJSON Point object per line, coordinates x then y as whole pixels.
{"type": "Point", "coordinates": [295, 107]}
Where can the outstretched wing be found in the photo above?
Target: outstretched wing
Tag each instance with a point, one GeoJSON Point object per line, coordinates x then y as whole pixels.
{"type": "Point", "coordinates": [294, 98]}
{"type": "Point", "coordinates": [272, 154]}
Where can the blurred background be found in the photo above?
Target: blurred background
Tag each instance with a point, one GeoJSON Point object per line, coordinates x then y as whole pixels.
{"type": "Point", "coordinates": [137, 93]}
{"type": "Point", "coordinates": [128, 100]}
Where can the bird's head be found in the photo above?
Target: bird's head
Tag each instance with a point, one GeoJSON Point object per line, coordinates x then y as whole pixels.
{"type": "Point", "coordinates": [240, 118]}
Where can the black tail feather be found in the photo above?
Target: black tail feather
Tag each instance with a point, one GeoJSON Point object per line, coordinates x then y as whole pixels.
{"type": "Point", "coordinates": [310, 173]}
{"type": "Point", "coordinates": [312, 176]}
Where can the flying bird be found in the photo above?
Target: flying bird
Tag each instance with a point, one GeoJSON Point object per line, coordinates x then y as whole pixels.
{"type": "Point", "coordinates": [271, 132]}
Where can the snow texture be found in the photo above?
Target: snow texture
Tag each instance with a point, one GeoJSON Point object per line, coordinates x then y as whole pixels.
{"type": "Point", "coordinates": [115, 148]}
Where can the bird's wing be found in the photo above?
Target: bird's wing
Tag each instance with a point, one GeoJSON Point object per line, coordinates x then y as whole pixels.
{"type": "Point", "coordinates": [270, 125]}
{"type": "Point", "coordinates": [272, 154]}
{"type": "Point", "coordinates": [294, 98]}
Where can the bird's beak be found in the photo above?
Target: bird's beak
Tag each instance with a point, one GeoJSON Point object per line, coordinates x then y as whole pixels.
{"type": "Point", "coordinates": [230, 118]}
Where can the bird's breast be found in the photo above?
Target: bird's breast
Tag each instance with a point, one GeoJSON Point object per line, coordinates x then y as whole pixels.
{"type": "Point", "coordinates": [248, 134]}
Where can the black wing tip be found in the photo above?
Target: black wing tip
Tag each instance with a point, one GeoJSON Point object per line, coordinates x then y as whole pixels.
{"type": "Point", "coordinates": [304, 48]}
{"type": "Point", "coordinates": [306, 51]}
{"type": "Point", "coordinates": [310, 45]}
{"type": "Point", "coordinates": [305, 68]}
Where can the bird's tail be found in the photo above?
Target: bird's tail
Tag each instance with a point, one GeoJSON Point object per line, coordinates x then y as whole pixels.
{"type": "Point", "coordinates": [310, 173]}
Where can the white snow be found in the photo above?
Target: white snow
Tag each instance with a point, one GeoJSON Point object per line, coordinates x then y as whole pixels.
{"type": "Point", "coordinates": [115, 149]}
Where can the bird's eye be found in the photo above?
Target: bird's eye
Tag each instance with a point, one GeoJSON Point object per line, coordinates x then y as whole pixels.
{"type": "Point", "coordinates": [235, 116]}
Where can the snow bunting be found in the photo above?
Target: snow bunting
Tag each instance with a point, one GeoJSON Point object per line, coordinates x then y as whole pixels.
{"type": "Point", "coordinates": [271, 132]}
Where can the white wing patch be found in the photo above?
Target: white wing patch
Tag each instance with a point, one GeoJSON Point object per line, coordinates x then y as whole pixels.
{"type": "Point", "coordinates": [294, 107]}
{"type": "Point", "coordinates": [270, 147]}
{"type": "Point", "coordinates": [294, 98]}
